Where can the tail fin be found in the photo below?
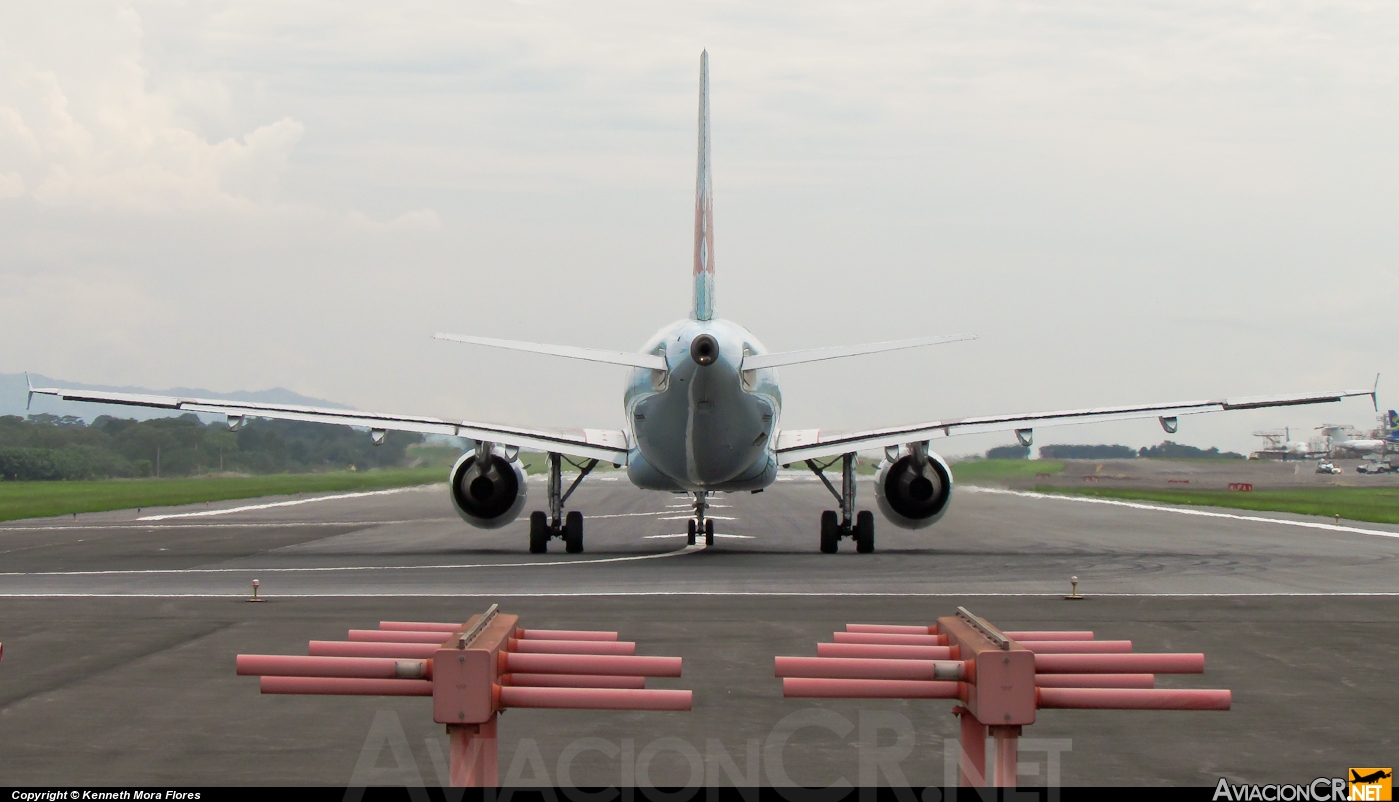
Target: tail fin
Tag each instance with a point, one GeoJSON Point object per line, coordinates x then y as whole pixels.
{"type": "Point", "coordinates": [703, 308]}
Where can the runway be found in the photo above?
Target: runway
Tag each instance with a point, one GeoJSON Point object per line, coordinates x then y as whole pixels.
{"type": "Point", "coordinates": [412, 543]}
{"type": "Point", "coordinates": [120, 631]}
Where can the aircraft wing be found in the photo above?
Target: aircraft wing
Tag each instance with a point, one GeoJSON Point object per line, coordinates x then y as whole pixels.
{"type": "Point", "coordinates": [606, 445]}
{"type": "Point", "coordinates": [799, 444]}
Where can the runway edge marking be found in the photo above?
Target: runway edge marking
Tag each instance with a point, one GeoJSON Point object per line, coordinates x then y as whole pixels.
{"type": "Point", "coordinates": [1183, 511]}
{"type": "Point", "coordinates": [292, 503]}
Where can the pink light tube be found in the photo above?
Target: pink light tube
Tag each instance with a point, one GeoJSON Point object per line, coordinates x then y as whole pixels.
{"type": "Point", "coordinates": [1049, 635]}
{"type": "Point", "coordinates": [892, 651]}
{"type": "Point", "coordinates": [347, 687]}
{"type": "Point", "coordinates": [420, 626]}
{"type": "Point", "coordinates": [811, 687]}
{"type": "Point", "coordinates": [893, 629]}
{"type": "Point", "coordinates": [1095, 680]}
{"type": "Point", "coordinates": [1120, 663]}
{"type": "Point", "coordinates": [594, 698]}
{"type": "Point", "coordinates": [282, 665]}
{"type": "Point", "coordinates": [573, 681]}
{"type": "Point", "coordinates": [1134, 699]}
{"type": "Point", "coordinates": [342, 648]}
{"type": "Point", "coordinates": [573, 646]}
{"type": "Point", "coordinates": [1077, 646]}
{"type": "Point", "coordinates": [890, 639]}
{"type": "Point", "coordinates": [566, 634]}
{"type": "Point", "coordinates": [858, 668]}
{"type": "Point", "coordinates": [620, 665]}
{"type": "Point", "coordinates": [397, 636]}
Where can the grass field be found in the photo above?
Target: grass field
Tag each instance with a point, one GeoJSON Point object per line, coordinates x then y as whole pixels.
{"type": "Point", "coordinates": [42, 499]}
{"type": "Point", "coordinates": [1376, 504]}
{"type": "Point", "coordinates": [991, 470]}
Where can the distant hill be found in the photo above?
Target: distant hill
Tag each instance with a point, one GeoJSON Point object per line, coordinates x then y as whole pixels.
{"type": "Point", "coordinates": [14, 390]}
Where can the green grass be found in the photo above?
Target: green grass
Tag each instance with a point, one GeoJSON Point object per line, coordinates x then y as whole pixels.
{"type": "Point", "coordinates": [1376, 504]}
{"type": "Point", "coordinates": [992, 470]}
{"type": "Point", "coordinates": [43, 499]}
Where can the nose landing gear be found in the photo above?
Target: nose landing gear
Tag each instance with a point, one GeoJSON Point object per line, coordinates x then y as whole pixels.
{"type": "Point", "coordinates": [545, 527]}
{"type": "Point", "coordinates": [701, 523]}
{"type": "Point", "coordinates": [835, 526]}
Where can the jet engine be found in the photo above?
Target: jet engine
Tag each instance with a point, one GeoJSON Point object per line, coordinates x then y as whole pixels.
{"type": "Point", "coordinates": [914, 488]}
{"type": "Point", "coordinates": [488, 490]}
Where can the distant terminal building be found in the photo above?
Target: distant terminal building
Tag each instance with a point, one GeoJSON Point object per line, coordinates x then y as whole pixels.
{"type": "Point", "coordinates": [1279, 445]}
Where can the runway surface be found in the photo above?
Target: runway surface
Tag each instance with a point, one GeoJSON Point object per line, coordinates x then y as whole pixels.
{"type": "Point", "coordinates": [119, 634]}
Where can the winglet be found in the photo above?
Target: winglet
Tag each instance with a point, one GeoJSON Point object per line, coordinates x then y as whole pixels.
{"type": "Point", "coordinates": [30, 400]}
{"type": "Point", "coordinates": [1375, 393]}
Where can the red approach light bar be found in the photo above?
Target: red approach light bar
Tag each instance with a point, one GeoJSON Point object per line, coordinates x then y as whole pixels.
{"type": "Point", "coordinates": [883, 650]}
{"type": "Point", "coordinates": [473, 671]}
{"type": "Point", "coordinates": [890, 639]}
{"type": "Point", "coordinates": [1000, 677]}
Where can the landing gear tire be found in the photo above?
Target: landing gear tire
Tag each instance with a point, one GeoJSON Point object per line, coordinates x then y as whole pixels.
{"type": "Point", "coordinates": [538, 532]}
{"type": "Point", "coordinates": [830, 532]}
{"type": "Point", "coordinates": [864, 532]}
{"type": "Point", "coordinates": [573, 533]}
{"type": "Point", "coordinates": [693, 529]}
{"type": "Point", "coordinates": [709, 532]}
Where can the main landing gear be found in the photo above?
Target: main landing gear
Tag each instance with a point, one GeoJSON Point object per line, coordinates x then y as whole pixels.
{"type": "Point", "coordinates": [836, 526]}
{"type": "Point", "coordinates": [700, 523]}
{"type": "Point", "coordinates": [544, 527]}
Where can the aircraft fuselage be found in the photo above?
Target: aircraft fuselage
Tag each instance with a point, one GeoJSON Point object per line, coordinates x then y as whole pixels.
{"type": "Point", "coordinates": [705, 424]}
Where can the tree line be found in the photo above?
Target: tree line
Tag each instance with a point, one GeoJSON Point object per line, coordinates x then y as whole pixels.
{"type": "Point", "coordinates": [49, 447]}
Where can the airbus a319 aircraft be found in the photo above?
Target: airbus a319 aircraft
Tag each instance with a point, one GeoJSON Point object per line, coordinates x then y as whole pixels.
{"type": "Point", "coordinates": [703, 411]}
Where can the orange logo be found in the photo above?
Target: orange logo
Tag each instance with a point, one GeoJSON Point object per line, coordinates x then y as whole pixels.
{"type": "Point", "coordinates": [1372, 785]}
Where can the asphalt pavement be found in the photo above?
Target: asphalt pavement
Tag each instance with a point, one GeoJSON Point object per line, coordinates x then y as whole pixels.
{"type": "Point", "coordinates": [119, 633]}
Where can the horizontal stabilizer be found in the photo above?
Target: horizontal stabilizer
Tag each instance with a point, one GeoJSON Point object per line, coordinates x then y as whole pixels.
{"type": "Point", "coordinates": [650, 361]}
{"type": "Point", "coordinates": [759, 361]}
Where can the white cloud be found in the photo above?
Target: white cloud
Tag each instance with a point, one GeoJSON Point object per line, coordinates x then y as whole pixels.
{"type": "Point", "coordinates": [80, 126]}
{"type": "Point", "coordinates": [417, 220]}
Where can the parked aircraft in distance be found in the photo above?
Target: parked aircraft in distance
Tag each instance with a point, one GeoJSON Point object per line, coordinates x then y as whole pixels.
{"type": "Point", "coordinates": [703, 413]}
{"type": "Point", "coordinates": [1342, 440]}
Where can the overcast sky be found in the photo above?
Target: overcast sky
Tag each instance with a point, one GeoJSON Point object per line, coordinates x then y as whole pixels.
{"type": "Point", "coordinates": [1126, 202]}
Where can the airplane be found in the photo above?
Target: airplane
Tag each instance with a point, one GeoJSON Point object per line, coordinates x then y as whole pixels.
{"type": "Point", "coordinates": [703, 408]}
{"type": "Point", "coordinates": [1372, 777]}
{"type": "Point", "coordinates": [1342, 440]}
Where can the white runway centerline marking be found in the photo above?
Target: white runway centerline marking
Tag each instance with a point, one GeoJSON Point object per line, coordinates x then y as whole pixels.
{"type": "Point", "coordinates": [247, 508]}
{"type": "Point", "coordinates": [688, 517]}
{"type": "Point", "coordinates": [1183, 511]}
{"type": "Point", "coordinates": [656, 537]}
{"type": "Point", "coordinates": [330, 569]}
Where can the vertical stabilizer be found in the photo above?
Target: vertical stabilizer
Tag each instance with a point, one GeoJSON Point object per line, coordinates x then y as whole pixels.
{"type": "Point", "coordinates": [703, 308]}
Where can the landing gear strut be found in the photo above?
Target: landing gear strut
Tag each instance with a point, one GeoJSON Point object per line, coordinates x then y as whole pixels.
{"type": "Point", "coordinates": [835, 526]}
{"type": "Point", "coordinates": [545, 527]}
{"type": "Point", "coordinates": [701, 523]}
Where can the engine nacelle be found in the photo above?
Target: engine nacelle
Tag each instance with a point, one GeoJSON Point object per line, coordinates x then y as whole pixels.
{"type": "Point", "coordinates": [489, 498]}
{"type": "Point", "coordinates": [910, 497]}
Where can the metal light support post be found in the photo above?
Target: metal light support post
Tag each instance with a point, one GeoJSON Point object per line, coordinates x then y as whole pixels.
{"type": "Point", "coordinates": [473, 672]}
{"type": "Point", "coordinates": [1001, 679]}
